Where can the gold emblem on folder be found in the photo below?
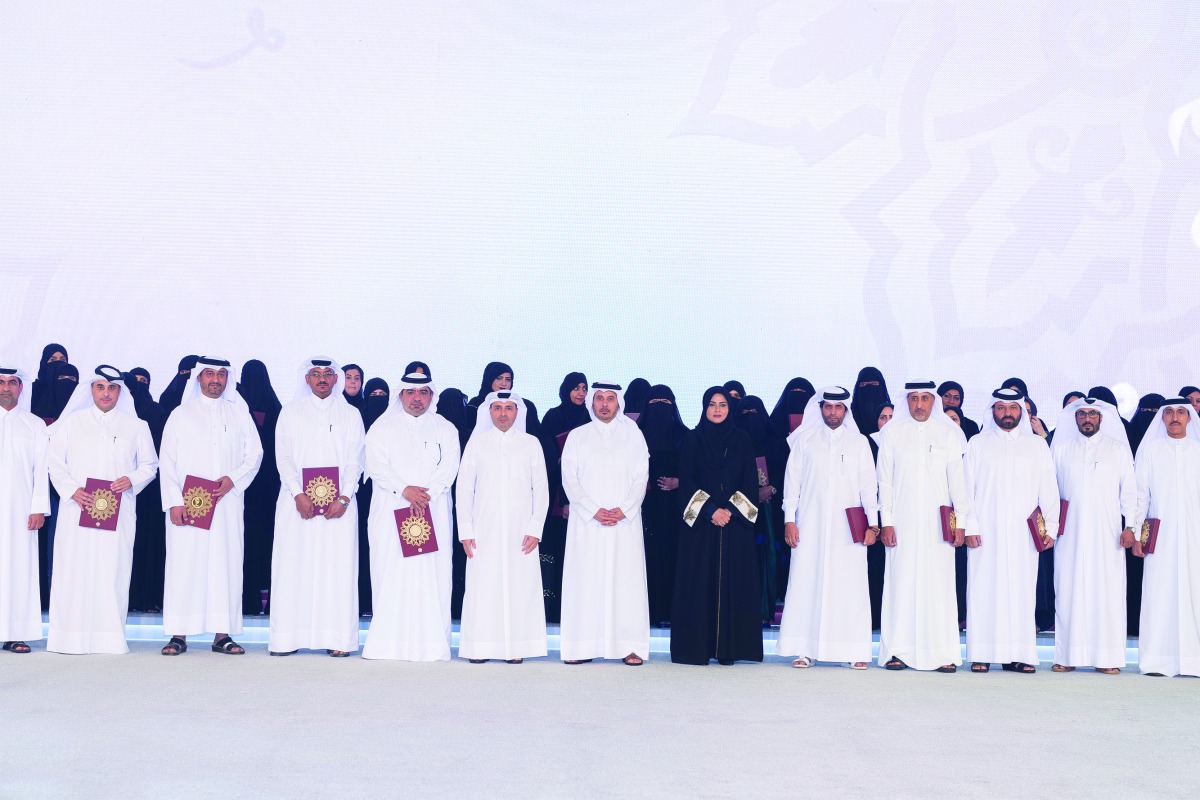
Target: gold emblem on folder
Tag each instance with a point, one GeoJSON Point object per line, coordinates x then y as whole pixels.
{"type": "Point", "coordinates": [104, 504]}
{"type": "Point", "coordinates": [415, 531]}
{"type": "Point", "coordinates": [197, 502]}
{"type": "Point", "coordinates": [320, 490]}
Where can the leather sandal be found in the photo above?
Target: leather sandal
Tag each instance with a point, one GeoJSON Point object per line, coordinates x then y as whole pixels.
{"type": "Point", "coordinates": [177, 646]}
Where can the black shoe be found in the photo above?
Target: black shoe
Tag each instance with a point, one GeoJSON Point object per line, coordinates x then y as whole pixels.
{"type": "Point", "coordinates": [288, 653]}
{"type": "Point", "coordinates": [725, 662]}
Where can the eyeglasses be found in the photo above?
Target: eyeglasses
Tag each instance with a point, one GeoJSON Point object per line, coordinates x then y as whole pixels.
{"type": "Point", "coordinates": [1087, 415]}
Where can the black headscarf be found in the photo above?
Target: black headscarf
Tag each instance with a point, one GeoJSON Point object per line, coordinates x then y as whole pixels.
{"type": "Point", "coordinates": [735, 386]}
{"type": "Point", "coordinates": [172, 396]}
{"type": "Point", "coordinates": [636, 394]}
{"type": "Point", "coordinates": [1148, 408]}
{"type": "Point", "coordinates": [878, 411]}
{"type": "Point", "coordinates": [1018, 383]}
{"type": "Point", "coordinates": [948, 385]}
{"type": "Point", "coordinates": [143, 403]}
{"type": "Point", "coordinates": [566, 416]}
{"type": "Point", "coordinates": [870, 394]}
{"type": "Point", "coordinates": [1185, 391]}
{"type": "Point", "coordinates": [357, 400]}
{"type": "Point", "coordinates": [793, 400]}
{"type": "Point", "coordinates": [1067, 398]}
{"type": "Point", "coordinates": [970, 427]}
{"type": "Point", "coordinates": [373, 407]}
{"type": "Point", "coordinates": [418, 366]}
{"type": "Point", "coordinates": [255, 388]}
{"type": "Point", "coordinates": [42, 391]}
{"type": "Point", "coordinates": [58, 379]}
{"type": "Point", "coordinates": [660, 423]}
{"type": "Point", "coordinates": [752, 417]}
{"type": "Point", "coordinates": [493, 370]}
{"type": "Point", "coordinates": [714, 436]}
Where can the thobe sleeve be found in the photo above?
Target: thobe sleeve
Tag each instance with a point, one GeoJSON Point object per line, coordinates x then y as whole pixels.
{"type": "Point", "coordinates": [285, 461]}
{"type": "Point", "coordinates": [463, 509]}
{"type": "Point", "coordinates": [447, 468]}
{"type": "Point", "coordinates": [1129, 495]}
{"type": "Point", "coordinates": [56, 461]}
{"type": "Point", "coordinates": [957, 485]}
{"type": "Point", "coordinates": [146, 457]}
{"type": "Point", "coordinates": [884, 470]}
{"type": "Point", "coordinates": [1142, 475]}
{"type": "Point", "coordinates": [379, 466]}
{"type": "Point", "coordinates": [969, 468]}
{"type": "Point", "coordinates": [792, 484]}
{"type": "Point", "coordinates": [632, 503]}
{"type": "Point", "coordinates": [170, 484]}
{"type": "Point", "coordinates": [1048, 497]}
{"type": "Point", "coordinates": [39, 503]}
{"type": "Point", "coordinates": [868, 489]}
{"type": "Point", "coordinates": [541, 491]}
{"type": "Point", "coordinates": [581, 504]}
{"type": "Point", "coordinates": [352, 464]}
{"type": "Point", "coordinates": [252, 454]}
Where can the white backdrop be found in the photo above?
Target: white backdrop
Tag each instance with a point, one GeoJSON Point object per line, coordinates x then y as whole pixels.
{"type": "Point", "coordinates": [687, 191]}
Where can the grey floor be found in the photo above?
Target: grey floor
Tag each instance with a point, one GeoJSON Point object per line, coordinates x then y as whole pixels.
{"type": "Point", "coordinates": [208, 725]}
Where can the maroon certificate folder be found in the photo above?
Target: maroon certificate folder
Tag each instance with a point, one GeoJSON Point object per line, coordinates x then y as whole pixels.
{"type": "Point", "coordinates": [199, 502]}
{"type": "Point", "coordinates": [321, 485]}
{"type": "Point", "coordinates": [1150, 535]}
{"type": "Point", "coordinates": [857, 517]}
{"type": "Point", "coordinates": [1037, 529]}
{"type": "Point", "coordinates": [106, 506]}
{"type": "Point", "coordinates": [260, 418]}
{"type": "Point", "coordinates": [794, 421]}
{"type": "Point", "coordinates": [416, 532]}
{"type": "Point", "coordinates": [633, 415]}
{"type": "Point", "coordinates": [764, 478]}
{"type": "Point", "coordinates": [949, 523]}
{"type": "Point", "coordinates": [1062, 516]}
{"type": "Point", "coordinates": [561, 441]}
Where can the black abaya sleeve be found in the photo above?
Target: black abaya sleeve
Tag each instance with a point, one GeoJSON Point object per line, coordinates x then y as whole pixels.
{"type": "Point", "coordinates": [690, 470]}
{"type": "Point", "coordinates": [744, 475]}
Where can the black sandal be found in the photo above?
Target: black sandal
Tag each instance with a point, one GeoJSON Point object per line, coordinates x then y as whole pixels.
{"type": "Point", "coordinates": [579, 661]}
{"type": "Point", "coordinates": [477, 660]}
{"type": "Point", "coordinates": [338, 654]}
{"type": "Point", "coordinates": [228, 646]}
{"type": "Point", "coordinates": [177, 646]}
{"type": "Point", "coordinates": [947, 668]}
{"type": "Point", "coordinates": [17, 647]}
{"type": "Point", "coordinates": [979, 666]}
{"type": "Point", "coordinates": [895, 664]}
{"type": "Point", "coordinates": [514, 661]}
{"type": "Point", "coordinates": [1018, 666]}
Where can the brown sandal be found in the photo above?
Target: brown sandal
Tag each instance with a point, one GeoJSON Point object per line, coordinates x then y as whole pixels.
{"type": "Point", "coordinates": [632, 660]}
{"type": "Point", "coordinates": [1061, 668]}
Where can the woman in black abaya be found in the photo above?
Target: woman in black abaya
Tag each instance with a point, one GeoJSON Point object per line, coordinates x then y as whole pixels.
{"type": "Point", "coordinates": [376, 394]}
{"type": "Point", "coordinates": [876, 554]}
{"type": "Point", "coordinates": [172, 396]}
{"type": "Point", "coordinates": [569, 414]}
{"type": "Point", "coordinates": [54, 357]}
{"type": "Point", "coordinates": [150, 541]}
{"type": "Point", "coordinates": [353, 389]}
{"type": "Point", "coordinates": [716, 612]}
{"type": "Point", "coordinates": [258, 513]}
{"type": "Point", "coordinates": [635, 397]}
{"type": "Point", "coordinates": [772, 449]}
{"type": "Point", "coordinates": [663, 430]}
{"type": "Point", "coordinates": [59, 380]}
{"type": "Point", "coordinates": [789, 408]}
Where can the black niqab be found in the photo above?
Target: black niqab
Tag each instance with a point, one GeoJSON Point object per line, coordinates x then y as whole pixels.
{"type": "Point", "coordinates": [1147, 410]}
{"type": "Point", "coordinates": [375, 405]}
{"type": "Point", "coordinates": [660, 424]}
{"type": "Point", "coordinates": [870, 393]}
{"type": "Point", "coordinates": [172, 396]}
{"type": "Point", "coordinates": [53, 389]}
{"type": "Point", "coordinates": [793, 400]}
{"type": "Point", "coordinates": [255, 388]}
{"type": "Point", "coordinates": [636, 394]}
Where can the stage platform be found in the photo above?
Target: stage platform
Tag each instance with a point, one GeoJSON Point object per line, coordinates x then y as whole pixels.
{"type": "Point", "coordinates": [209, 725]}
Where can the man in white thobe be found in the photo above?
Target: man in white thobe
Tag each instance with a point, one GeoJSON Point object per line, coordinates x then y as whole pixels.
{"type": "Point", "coordinates": [24, 505]}
{"type": "Point", "coordinates": [1095, 477]}
{"type": "Point", "coordinates": [920, 469]}
{"type": "Point", "coordinates": [502, 504]}
{"type": "Point", "coordinates": [1009, 473]}
{"type": "Point", "coordinates": [212, 436]}
{"type": "Point", "coordinates": [98, 436]}
{"type": "Point", "coordinates": [827, 610]}
{"type": "Point", "coordinates": [605, 468]}
{"type": "Point", "coordinates": [412, 459]}
{"type": "Point", "coordinates": [1168, 478]}
{"type": "Point", "coordinates": [314, 563]}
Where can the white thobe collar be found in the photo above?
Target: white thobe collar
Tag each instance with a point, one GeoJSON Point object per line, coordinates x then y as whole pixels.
{"type": "Point", "coordinates": [103, 417]}
{"type": "Point", "coordinates": [1011, 436]}
{"type": "Point", "coordinates": [835, 434]}
{"type": "Point", "coordinates": [322, 405]}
